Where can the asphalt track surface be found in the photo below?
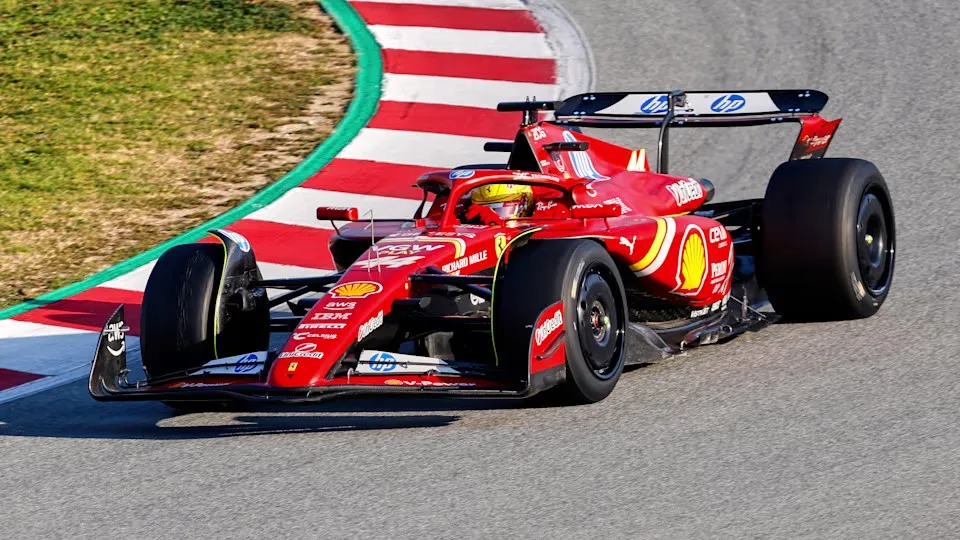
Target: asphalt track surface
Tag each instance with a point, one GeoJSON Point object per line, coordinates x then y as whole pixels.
{"type": "Point", "coordinates": [843, 430]}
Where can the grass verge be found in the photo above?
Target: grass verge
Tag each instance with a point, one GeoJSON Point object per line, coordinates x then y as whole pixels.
{"type": "Point", "coordinates": [123, 123]}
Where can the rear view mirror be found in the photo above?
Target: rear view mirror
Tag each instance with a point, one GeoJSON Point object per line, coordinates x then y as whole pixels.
{"type": "Point", "coordinates": [583, 211]}
{"type": "Point", "coordinates": [339, 213]}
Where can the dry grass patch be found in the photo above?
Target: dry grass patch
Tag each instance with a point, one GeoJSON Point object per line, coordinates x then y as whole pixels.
{"type": "Point", "coordinates": [126, 122]}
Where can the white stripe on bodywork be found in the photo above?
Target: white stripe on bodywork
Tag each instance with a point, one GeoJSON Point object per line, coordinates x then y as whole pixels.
{"type": "Point", "coordinates": [582, 164]}
{"type": "Point", "coordinates": [664, 249]}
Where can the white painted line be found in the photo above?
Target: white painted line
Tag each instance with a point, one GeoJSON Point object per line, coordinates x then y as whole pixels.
{"type": "Point", "coordinates": [490, 4]}
{"type": "Point", "coordinates": [78, 369]}
{"type": "Point", "coordinates": [43, 349]}
{"type": "Point", "coordinates": [448, 40]}
{"type": "Point", "coordinates": [135, 280]}
{"type": "Point", "coordinates": [299, 206]}
{"type": "Point", "coordinates": [46, 383]}
{"type": "Point", "coordinates": [461, 92]}
{"type": "Point", "coordinates": [576, 68]}
{"type": "Point", "coordinates": [415, 148]}
{"type": "Point", "coordinates": [283, 271]}
{"type": "Point", "coordinates": [13, 329]}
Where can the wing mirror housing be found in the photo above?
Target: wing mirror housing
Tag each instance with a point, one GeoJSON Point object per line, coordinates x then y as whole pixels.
{"type": "Point", "coordinates": [338, 213]}
{"type": "Point", "coordinates": [595, 210]}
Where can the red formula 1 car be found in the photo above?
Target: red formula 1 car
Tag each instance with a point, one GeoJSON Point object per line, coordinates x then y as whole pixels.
{"type": "Point", "coordinates": [552, 272]}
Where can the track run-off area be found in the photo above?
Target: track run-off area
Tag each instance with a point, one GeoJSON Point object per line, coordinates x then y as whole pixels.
{"type": "Point", "coordinates": [818, 430]}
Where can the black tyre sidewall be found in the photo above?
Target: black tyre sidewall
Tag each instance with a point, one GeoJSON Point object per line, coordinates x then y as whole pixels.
{"type": "Point", "coordinates": [808, 237]}
{"type": "Point", "coordinates": [176, 317]}
{"type": "Point", "coordinates": [582, 384]}
{"type": "Point", "coordinates": [861, 305]}
{"type": "Point", "coordinates": [537, 276]}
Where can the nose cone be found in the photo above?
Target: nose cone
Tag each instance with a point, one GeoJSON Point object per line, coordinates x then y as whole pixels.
{"type": "Point", "coordinates": [708, 189]}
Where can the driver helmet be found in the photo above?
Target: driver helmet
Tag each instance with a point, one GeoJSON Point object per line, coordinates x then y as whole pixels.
{"type": "Point", "coordinates": [509, 201]}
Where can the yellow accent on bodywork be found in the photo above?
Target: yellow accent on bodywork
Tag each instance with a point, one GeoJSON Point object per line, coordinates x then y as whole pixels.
{"type": "Point", "coordinates": [654, 247]}
{"type": "Point", "coordinates": [216, 306]}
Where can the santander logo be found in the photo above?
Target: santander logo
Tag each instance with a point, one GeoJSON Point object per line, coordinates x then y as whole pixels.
{"type": "Point", "coordinates": [548, 327]}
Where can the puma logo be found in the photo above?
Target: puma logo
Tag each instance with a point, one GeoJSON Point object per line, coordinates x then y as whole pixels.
{"type": "Point", "coordinates": [628, 243]}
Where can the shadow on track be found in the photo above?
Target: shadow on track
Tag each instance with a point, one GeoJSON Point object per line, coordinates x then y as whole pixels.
{"type": "Point", "coordinates": [69, 412]}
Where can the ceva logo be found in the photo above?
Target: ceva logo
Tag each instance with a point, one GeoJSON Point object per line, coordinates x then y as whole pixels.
{"type": "Point", "coordinates": [728, 103]}
{"type": "Point", "coordinates": [654, 105]}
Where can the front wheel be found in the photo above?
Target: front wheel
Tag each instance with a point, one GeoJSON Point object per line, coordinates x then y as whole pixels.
{"type": "Point", "coordinates": [177, 315]}
{"type": "Point", "coordinates": [583, 276]}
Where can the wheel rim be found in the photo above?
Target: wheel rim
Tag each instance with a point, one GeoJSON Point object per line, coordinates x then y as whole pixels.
{"type": "Point", "coordinates": [598, 324]}
{"type": "Point", "coordinates": [874, 245]}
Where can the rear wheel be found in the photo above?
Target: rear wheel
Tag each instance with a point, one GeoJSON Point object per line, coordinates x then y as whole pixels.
{"type": "Point", "coordinates": [581, 274]}
{"type": "Point", "coordinates": [828, 239]}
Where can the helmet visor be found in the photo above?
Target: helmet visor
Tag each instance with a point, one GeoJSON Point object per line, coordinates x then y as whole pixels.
{"type": "Point", "coordinates": [508, 210]}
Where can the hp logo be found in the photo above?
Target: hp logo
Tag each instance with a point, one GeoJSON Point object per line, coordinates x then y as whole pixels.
{"type": "Point", "coordinates": [245, 364]}
{"type": "Point", "coordinates": [383, 362]}
{"type": "Point", "coordinates": [241, 242]}
{"type": "Point", "coordinates": [461, 174]}
{"type": "Point", "coordinates": [655, 105]}
{"type": "Point", "coordinates": [728, 103]}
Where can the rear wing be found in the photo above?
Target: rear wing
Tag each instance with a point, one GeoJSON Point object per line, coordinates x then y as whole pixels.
{"type": "Point", "coordinates": [624, 109]}
{"type": "Point", "coordinates": [694, 109]}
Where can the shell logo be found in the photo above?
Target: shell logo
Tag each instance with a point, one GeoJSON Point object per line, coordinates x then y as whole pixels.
{"type": "Point", "coordinates": [356, 289]}
{"type": "Point", "coordinates": [692, 269]}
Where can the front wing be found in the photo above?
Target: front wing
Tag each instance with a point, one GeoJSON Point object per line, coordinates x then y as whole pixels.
{"type": "Point", "coordinates": [109, 380]}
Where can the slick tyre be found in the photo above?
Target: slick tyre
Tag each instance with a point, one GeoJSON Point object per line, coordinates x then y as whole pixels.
{"type": "Point", "coordinates": [827, 239]}
{"type": "Point", "coordinates": [582, 275]}
{"type": "Point", "coordinates": [176, 319]}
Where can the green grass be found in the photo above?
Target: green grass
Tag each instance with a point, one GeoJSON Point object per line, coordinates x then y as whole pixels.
{"type": "Point", "coordinates": [125, 122]}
